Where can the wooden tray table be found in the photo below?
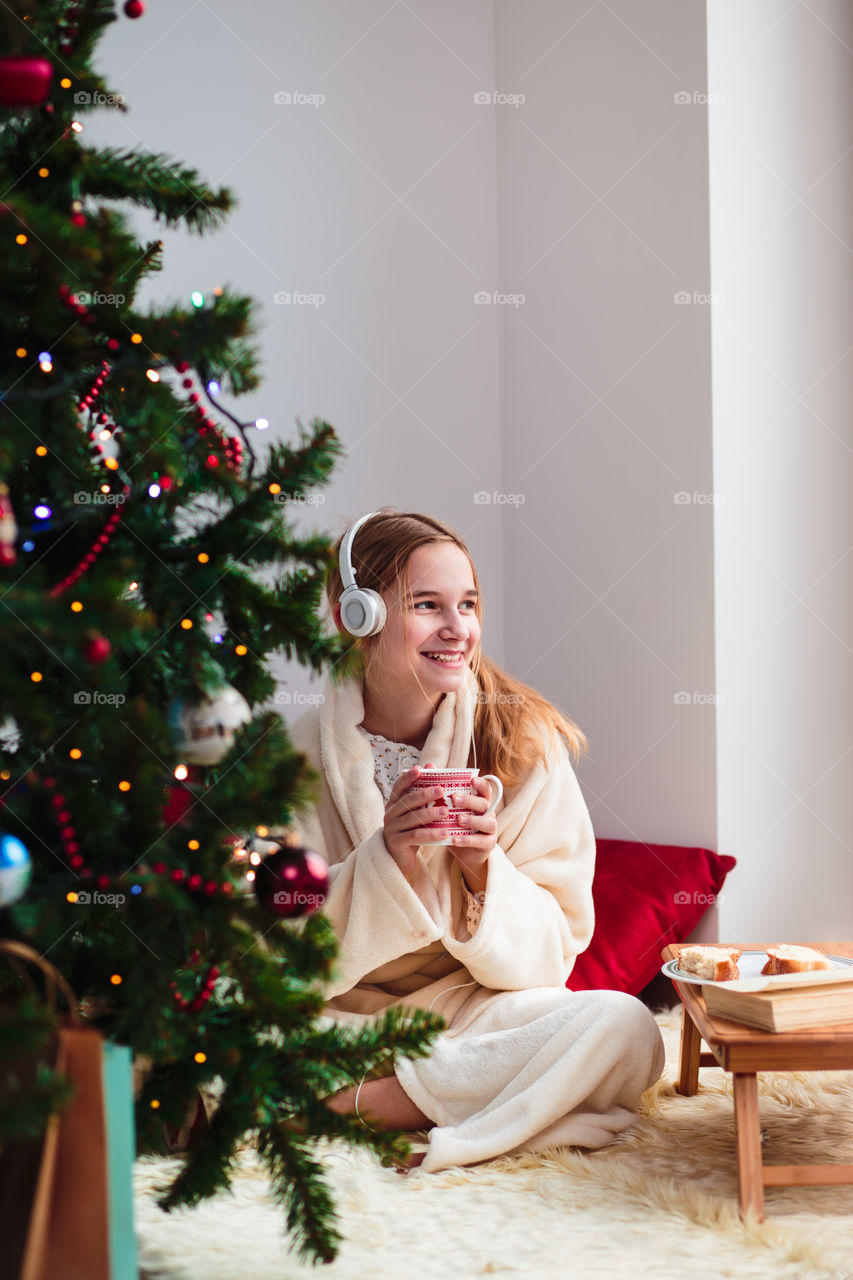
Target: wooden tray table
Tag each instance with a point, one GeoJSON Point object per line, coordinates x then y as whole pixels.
{"type": "Point", "coordinates": [744, 1051]}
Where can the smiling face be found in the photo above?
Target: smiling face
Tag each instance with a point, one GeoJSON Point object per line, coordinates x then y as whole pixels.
{"type": "Point", "coordinates": [430, 639]}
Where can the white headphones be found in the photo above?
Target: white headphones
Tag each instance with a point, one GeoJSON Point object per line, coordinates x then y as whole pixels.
{"type": "Point", "coordinates": [363, 611]}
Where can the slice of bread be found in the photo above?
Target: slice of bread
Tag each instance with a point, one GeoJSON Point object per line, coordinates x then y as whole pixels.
{"type": "Point", "coordinates": [717, 964]}
{"type": "Point", "coordinates": [788, 958]}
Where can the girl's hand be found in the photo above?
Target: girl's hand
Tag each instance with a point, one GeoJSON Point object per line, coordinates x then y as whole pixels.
{"type": "Point", "coordinates": [407, 814]}
{"type": "Point", "coordinates": [472, 855]}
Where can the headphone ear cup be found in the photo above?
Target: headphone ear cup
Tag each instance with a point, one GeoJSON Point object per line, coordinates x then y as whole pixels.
{"type": "Point", "coordinates": [363, 611]}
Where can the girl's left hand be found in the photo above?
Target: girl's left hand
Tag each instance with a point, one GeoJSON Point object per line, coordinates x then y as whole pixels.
{"type": "Point", "coordinates": [472, 854]}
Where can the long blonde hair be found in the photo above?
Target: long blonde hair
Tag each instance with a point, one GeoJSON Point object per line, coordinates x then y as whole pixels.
{"type": "Point", "coordinates": [510, 716]}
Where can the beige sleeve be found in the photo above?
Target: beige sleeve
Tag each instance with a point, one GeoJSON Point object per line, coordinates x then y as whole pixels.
{"type": "Point", "coordinates": [537, 913]}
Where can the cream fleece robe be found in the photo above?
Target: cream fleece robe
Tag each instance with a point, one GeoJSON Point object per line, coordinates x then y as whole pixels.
{"type": "Point", "coordinates": [524, 1062]}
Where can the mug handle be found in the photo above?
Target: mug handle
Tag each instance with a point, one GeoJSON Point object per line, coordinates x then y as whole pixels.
{"type": "Point", "coordinates": [499, 790]}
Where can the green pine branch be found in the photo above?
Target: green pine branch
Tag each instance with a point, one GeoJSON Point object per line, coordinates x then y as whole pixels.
{"type": "Point", "coordinates": [171, 191]}
{"type": "Point", "coordinates": [298, 1182]}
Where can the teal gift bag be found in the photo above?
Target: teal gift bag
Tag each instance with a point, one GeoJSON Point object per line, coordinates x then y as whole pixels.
{"type": "Point", "coordinates": [121, 1149]}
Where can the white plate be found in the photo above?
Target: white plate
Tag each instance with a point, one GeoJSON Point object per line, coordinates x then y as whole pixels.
{"type": "Point", "coordinates": [749, 965]}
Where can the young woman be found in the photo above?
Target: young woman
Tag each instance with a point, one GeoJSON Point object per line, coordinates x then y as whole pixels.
{"type": "Point", "coordinates": [486, 931]}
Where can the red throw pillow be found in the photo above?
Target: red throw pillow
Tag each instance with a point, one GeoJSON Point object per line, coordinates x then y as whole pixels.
{"type": "Point", "coordinates": [645, 896]}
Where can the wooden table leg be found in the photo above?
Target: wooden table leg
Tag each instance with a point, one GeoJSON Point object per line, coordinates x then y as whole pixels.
{"type": "Point", "coordinates": [748, 1135]}
{"type": "Point", "coordinates": [688, 1067]}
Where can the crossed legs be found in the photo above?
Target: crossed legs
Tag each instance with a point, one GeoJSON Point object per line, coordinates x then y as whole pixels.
{"type": "Point", "coordinates": [381, 1103]}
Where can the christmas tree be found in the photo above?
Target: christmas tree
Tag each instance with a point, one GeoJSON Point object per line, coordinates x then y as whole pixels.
{"type": "Point", "coordinates": [147, 574]}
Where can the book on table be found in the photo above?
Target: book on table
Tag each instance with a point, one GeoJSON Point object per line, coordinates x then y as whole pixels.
{"type": "Point", "coordinates": [791, 1009]}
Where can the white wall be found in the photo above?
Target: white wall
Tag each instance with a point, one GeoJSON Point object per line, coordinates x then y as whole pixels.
{"type": "Point", "coordinates": [781, 206]}
{"type": "Point", "coordinates": [603, 197]}
{"type": "Point", "coordinates": [382, 198]}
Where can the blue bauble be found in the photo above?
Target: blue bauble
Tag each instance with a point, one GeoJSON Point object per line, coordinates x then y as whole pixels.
{"type": "Point", "coordinates": [15, 867]}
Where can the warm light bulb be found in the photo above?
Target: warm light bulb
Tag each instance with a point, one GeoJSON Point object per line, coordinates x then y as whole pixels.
{"type": "Point", "coordinates": [255, 859]}
{"type": "Point", "coordinates": [75, 753]}
{"type": "Point", "coordinates": [115, 979]}
{"type": "Point", "coordinates": [36, 677]}
{"type": "Point", "coordinates": [203, 557]}
{"type": "Point", "coordinates": [76, 606]}
{"type": "Point", "coordinates": [275, 488]}
{"type": "Point", "coordinates": [192, 844]}
{"type": "Point", "coordinates": [21, 352]}
{"type": "Point", "coordinates": [187, 623]}
{"type": "Point", "coordinates": [263, 832]}
{"type": "Point", "coordinates": [76, 126]}
{"type": "Point", "coordinates": [200, 1057]}
{"type": "Point", "coordinates": [124, 786]}
{"type": "Point", "coordinates": [133, 586]}
{"type": "Point", "coordinates": [71, 896]}
{"type": "Point", "coordinates": [154, 1104]}
{"type": "Point", "coordinates": [152, 375]}
{"type": "Point", "coordinates": [250, 875]}
{"type": "Point", "coordinates": [136, 337]}
{"type": "Point", "coordinates": [181, 772]}
{"type": "Point", "coordinates": [41, 451]}
{"type": "Point", "coordinates": [20, 238]}
{"type": "Point", "coordinates": [241, 650]}
{"type": "Point", "coordinates": [105, 434]}
{"type": "Point", "coordinates": [44, 173]}
{"type": "Point", "coordinates": [65, 83]}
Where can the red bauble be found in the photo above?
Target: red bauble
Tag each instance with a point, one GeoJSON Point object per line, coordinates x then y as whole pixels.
{"type": "Point", "coordinates": [179, 800]}
{"type": "Point", "coordinates": [24, 82]}
{"type": "Point", "coordinates": [292, 882]}
{"type": "Point", "coordinates": [134, 8]}
{"type": "Point", "coordinates": [97, 649]}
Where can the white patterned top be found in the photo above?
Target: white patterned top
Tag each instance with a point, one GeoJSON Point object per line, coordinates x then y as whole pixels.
{"type": "Point", "coordinates": [390, 760]}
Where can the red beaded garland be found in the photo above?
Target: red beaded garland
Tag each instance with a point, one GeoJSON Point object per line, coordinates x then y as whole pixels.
{"type": "Point", "coordinates": [67, 832]}
{"type": "Point", "coordinates": [89, 559]}
{"type": "Point", "coordinates": [180, 876]}
{"type": "Point", "coordinates": [203, 993]}
{"type": "Point", "coordinates": [232, 447]}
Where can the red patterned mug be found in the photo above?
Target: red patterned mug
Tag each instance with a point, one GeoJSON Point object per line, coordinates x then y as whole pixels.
{"type": "Point", "coordinates": [446, 824]}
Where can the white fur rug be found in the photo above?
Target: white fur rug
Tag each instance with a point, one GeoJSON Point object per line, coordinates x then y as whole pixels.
{"type": "Point", "coordinates": [660, 1201]}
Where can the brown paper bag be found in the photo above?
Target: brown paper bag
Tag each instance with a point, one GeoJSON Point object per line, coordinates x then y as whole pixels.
{"type": "Point", "coordinates": [53, 1190]}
